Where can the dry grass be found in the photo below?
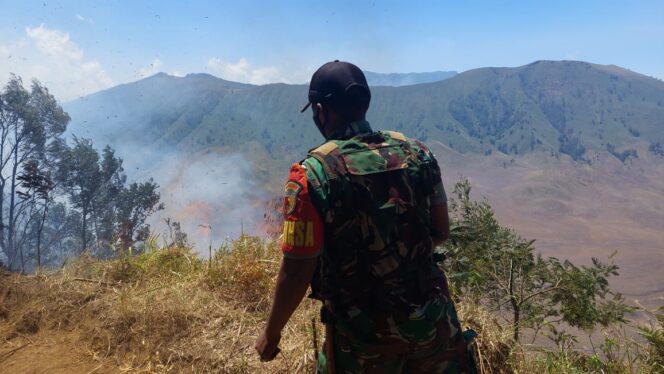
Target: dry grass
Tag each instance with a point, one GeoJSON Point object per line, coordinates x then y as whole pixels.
{"type": "Point", "coordinates": [164, 310]}
{"type": "Point", "coordinates": [246, 270]}
{"type": "Point", "coordinates": [169, 311]}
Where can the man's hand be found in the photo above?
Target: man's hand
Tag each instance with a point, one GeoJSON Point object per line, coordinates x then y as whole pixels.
{"type": "Point", "coordinates": [267, 346]}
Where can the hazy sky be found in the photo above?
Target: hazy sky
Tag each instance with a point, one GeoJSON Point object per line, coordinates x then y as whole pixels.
{"type": "Point", "coordinates": [79, 47]}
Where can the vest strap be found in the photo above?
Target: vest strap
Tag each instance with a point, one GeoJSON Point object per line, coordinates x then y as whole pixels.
{"type": "Point", "coordinates": [326, 167]}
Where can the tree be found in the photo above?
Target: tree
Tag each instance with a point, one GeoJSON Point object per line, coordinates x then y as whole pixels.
{"type": "Point", "coordinates": [37, 188]}
{"type": "Point", "coordinates": [80, 177]}
{"type": "Point", "coordinates": [30, 121]}
{"type": "Point", "coordinates": [135, 204]}
{"type": "Point", "coordinates": [105, 204]}
{"type": "Point", "coordinates": [494, 266]}
{"type": "Point", "coordinates": [109, 210]}
{"type": "Point", "coordinates": [61, 233]}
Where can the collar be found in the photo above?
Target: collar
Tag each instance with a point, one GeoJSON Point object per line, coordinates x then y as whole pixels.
{"type": "Point", "coordinates": [351, 130]}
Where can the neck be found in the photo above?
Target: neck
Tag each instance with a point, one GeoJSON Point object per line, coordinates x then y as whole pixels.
{"type": "Point", "coordinates": [347, 130]}
{"type": "Point", "coordinates": [334, 128]}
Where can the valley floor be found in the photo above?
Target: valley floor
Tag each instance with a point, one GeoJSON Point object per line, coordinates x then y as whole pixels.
{"type": "Point", "coordinates": [607, 209]}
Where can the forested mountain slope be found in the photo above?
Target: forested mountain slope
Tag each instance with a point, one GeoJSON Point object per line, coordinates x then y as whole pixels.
{"type": "Point", "coordinates": [562, 107]}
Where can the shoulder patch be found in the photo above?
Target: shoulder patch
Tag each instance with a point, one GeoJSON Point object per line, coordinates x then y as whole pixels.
{"type": "Point", "coordinates": [292, 190]}
{"type": "Point", "coordinates": [303, 228]}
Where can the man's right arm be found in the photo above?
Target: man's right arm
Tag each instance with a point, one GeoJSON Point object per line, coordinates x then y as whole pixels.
{"type": "Point", "coordinates": [440, 224]}
{"type": "Point", "coordinates": [440, 220]}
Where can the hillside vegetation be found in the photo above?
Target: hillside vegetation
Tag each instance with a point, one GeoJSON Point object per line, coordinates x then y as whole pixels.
{"type": "Point", "coordinates": [167, 310]}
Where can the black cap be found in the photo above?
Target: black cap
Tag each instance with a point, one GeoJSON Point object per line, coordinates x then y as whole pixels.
{"type": "Point", "coordinates": [332, 82]}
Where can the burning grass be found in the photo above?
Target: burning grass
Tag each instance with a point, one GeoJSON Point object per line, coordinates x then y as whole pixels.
{"type": "Point", "coordinates": [167, 310]}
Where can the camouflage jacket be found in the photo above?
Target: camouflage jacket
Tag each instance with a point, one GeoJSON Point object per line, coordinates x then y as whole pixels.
{"type": "Point", "coordinates": [372, 191]}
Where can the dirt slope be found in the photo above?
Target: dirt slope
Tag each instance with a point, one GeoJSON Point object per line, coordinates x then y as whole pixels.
{"type": "Point", "coordinates": [50, 352]}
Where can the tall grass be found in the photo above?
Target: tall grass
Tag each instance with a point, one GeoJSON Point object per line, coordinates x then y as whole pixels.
{"type": "Point", "coordinates": [168, 310]}
{"type": "Point", "coordinates": [245, 270]}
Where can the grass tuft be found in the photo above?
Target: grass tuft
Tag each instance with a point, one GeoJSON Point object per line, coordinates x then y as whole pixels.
{"type": "Point", "coordinates": [245, 271]}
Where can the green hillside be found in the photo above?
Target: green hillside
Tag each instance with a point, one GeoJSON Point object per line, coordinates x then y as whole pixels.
{"type": "Point", "coordinates": [561, 107]}
{"type": "Point", "coordinates": [566, 107]}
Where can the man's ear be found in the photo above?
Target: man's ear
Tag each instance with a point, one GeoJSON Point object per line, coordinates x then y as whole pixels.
{"type": "Point", "coordinates": [321, 111]}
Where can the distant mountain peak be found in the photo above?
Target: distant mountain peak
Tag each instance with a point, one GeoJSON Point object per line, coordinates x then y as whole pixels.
{"type": "Point", "coordinates": [202, 75]}
{"type": "Point", "coordinates": [406, 79]}
{"type": "Point", "coordinates": [162, 76]}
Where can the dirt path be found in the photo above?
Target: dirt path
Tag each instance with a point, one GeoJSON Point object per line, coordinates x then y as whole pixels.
{"type": "Point", "coordinates": [49, 352]}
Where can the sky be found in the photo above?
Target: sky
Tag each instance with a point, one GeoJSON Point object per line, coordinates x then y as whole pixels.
{"type": "Point", "coordinates": [76, 48]}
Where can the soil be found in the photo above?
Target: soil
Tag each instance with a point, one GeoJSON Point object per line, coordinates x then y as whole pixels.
{"type": "Point", "coordinates": [50, 352]}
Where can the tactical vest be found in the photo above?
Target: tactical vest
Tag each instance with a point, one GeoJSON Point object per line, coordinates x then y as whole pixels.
{"type": "Point", "coordinates": [378, 246]}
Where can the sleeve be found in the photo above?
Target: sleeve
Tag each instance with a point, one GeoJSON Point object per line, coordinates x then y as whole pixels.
{"type": "Point", "coordinates": [303, 227]}
{"type": "Point", "coordinates": [437, 195]}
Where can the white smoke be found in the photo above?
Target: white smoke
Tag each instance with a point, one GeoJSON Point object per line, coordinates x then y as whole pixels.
{"type": "Point", "coordinates": [208, 193]}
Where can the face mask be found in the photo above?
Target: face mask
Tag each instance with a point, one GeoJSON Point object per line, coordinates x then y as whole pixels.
{"type": "Point", "coordinates": [319, 125]}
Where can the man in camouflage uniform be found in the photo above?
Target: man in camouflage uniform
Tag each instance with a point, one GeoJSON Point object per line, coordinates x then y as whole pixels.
{"type": "Point", "coordinates": [363, 213]}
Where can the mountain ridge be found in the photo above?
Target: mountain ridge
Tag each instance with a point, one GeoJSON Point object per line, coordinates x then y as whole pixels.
{"type": "Point", "coordinates": [561, 107]}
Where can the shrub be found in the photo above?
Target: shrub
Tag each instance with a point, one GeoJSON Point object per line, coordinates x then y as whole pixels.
{"type": "Point", "coordinates": [166, 262]}
{"type": "Point", "coordinates": [491, 265]}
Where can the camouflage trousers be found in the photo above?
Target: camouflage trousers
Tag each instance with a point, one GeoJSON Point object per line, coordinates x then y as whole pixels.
{"type": "Point", "coordinates": [429, 342]}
